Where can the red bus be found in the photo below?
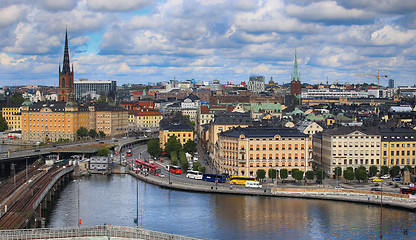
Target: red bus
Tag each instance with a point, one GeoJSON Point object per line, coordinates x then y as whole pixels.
{"type": "Point", "coordinates": [128, 154]}
{"type": "Point", "coordinates": [410, 190]}
{"type": "Point", "coordinates": [147, 167]}
{"type": "Point", "coordinates": [175, 169]}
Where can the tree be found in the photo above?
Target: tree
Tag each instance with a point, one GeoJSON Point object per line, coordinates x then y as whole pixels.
{"type": "Point", "coordinates": [310, 175]}
{"type": "Point", "coordinates": [3, 124]}
{"type": "Point", "coordinates": [338, 172]}
{"type": "Point", "coordinates": [298, 175]}
{"type": "Point", "coordinates": [82, 132]}
{"type": "Point", "coordinates": [261, 174]}
{"type": "Point", "coordinates": [172, 145]}
{"type": "Point", "coordinates": [361, 173]}
{"type": "Point", "coordinates": [17, 98]}
{"type": "Point", "coordinates": [184, 161]}
{"type": "Point", "coordinates": [92, 133]}
{"type": "Point", "coordinates": [190, 147]}
{"type": "Point", "coordinates": [192, 125]}
{"type": "Point", "coordinates": [348, 174]}
{"type": "Point", "coordinates": [153, 148]}
{"type": "Point", "coordinates": [320, 175]}
{"type": "Point", "coordinates": [195, 166]}
{"type": "Point", "coordinates": [174, 158]}
{"type": "Point", "coordinates": [373, 170]}
{"type": "Point", "coordinates": [103, 151]}
{"type": "Point", "coordinates": [395, 170]}
{"type": "Point", "coordinates": [283, 174]}
{"type": "Point", "coordinates": [272, 173]}
{"type": "Point", "coordinates": [384, 170]}
{"type": "Point", "coordinates": [101, 134]}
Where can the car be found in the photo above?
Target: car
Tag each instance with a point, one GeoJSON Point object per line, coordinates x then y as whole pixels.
{"type": "Point", "coordinates": [377, 180]}
{"type": "Point", "coordinates": [115, 140]}
{"type": "Point", "coordinates": [371, 178]}
{"type": "Point", "coordinates": [37, 150]}
{"type": "Point", "coordinates": [387, 176]}
{"type": "Point", "coordinates": [398, 179]}
{"type": "Point", "coordinates": [338, 187]}
{"type": "Point", "coordinates": [376, 189]}
{"type": "Point", "coordinates": [97, 140]}
{"type": "Point", "coordinates": [101, 142]}
{"type": "Point", "coordinates": [162, 175]}
{"type": "Point", "coordinates": [53, 145]}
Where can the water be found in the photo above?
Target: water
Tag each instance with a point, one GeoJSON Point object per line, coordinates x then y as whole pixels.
{"type": "Point", "coordinates": [112, 200]}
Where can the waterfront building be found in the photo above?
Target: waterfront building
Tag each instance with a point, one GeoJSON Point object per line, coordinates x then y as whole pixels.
{"type": "Point", "coordinates": [66, 76]}
{"type": "Point", "coordinates": [243, 151]}
{"type": "Point", "coordinates": [11, 113]}
{"type": "Point", "coordinates": [224, 122]}
{"type": "Point", "coordinates": [398, 147]}
{"type": "Point", "coordinates": [256, 84]}
{"type": "Point", "coordinates": [83, 88]}
{"type": "Point", "coordinates": [295, 85]}
{"type": "Point", "coordinates": [50, 121]}
{"type": "Point", "coordinates": [182, 132]}
{"type": "Point", "coordinates": [346, 147]}
{"type": "Point", "coordinates": [112, 120]}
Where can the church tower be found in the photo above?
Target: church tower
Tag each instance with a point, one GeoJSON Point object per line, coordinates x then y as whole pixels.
{"type": "Point", "coordinates": [295, 88]}
{"type": "Point", "coordinates": [66, 76]}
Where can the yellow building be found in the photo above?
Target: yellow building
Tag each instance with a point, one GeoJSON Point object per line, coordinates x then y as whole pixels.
{"type": "Point", "coordinates": [112, 120]}
{"type": "Point", "coordinates": [224, 122]}
{"type": "Point", "coordinates": [50, 121]}
{"type": "Point", "coordinates": [182, 132]}
{"type": "Point", "coordinates": [11, 114]}
{"type": "Point", "coordinates": [148, 119]}
{"type": "Point", "coordinates": [398, 147]}
{"type": "Point", "coordinates": [243, 151]}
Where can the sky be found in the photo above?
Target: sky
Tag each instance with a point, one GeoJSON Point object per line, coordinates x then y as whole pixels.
{"type": "Point", "coordinates": [148, 41]}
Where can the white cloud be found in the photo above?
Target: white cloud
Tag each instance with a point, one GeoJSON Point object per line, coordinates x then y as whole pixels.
{"type": "Point", "coordinates": [327, 10]}
{"type": "Point", "coordinates": [7, 60]}
{"type": "Point", "coordinates": [389, 35]}
{"type": "Point", "coordinates": [11, 14]}
{"type": "Point", "coordinates": [58, 4]}
{"type": "Point", "coordinates": [80, 40]}
{"type": "Point", "coordinates": [119, 5]}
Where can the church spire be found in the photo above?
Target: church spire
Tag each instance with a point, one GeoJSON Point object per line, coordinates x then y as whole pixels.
{"type": "Point", "coordinates": [295, 71]}
{"type": "Point", "coordinates": [66, 68]}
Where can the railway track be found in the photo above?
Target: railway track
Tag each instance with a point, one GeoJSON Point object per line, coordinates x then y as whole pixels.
{"type": "Point", "coordinates": [20, 203]}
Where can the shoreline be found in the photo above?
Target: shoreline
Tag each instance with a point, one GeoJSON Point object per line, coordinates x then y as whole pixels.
{"type": "Point", "coordinates": [392, 200]}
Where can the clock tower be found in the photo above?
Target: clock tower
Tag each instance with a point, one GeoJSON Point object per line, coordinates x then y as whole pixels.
{"type": "Point", "coordinates": [66, 76]}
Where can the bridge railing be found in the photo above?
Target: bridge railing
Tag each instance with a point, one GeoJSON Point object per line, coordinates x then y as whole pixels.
{"type": "Point", "coordinates": [94, 231]}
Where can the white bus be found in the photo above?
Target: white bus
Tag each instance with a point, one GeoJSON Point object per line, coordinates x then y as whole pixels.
{"type": "Point", "coordinates": [194, 174]}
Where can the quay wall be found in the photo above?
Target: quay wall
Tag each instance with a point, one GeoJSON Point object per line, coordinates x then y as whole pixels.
{"type": "Point", "coordinates": [394, 200]}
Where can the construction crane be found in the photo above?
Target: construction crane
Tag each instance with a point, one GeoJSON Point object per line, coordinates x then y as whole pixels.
{"type": "Point", "coordinates": [378, 77]}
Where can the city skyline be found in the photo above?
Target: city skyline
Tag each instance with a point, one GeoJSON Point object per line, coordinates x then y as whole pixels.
{"type": "Point", "coordinates": [141, 41]}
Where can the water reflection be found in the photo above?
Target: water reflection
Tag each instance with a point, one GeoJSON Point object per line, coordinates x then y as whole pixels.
{"type": "Point", "coordinates": [112, 200]}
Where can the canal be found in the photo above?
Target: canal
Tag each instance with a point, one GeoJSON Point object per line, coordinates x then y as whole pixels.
{"type": "Point", "coordinates": [112, 200]}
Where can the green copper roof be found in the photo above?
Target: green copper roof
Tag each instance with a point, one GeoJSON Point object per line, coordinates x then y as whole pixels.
{"type": "Point", "coordinates": [257, 107]}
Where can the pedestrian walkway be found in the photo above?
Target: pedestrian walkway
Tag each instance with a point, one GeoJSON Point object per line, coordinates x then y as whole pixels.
{"type": "Point", "coordinates": [94, 232]}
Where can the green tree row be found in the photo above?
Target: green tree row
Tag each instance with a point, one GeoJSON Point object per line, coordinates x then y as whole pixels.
{"type": "Point", "coordinates": [82, 132]}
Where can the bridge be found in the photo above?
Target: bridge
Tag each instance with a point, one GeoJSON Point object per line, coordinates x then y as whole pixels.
{"type": "Point", "coordinates": [20, 158]}
{"type": "Point", "coordinates": [25, 197]}
{"type": "Point", "coordinates": [94, 232]}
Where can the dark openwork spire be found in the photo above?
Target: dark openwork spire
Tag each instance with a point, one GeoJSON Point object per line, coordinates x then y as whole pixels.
{"type": "Point", "coordinates": [66, 67]}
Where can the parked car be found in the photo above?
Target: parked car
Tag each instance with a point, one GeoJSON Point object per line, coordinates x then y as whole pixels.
{"type": "Point", "coordinates": [37, 150]}
{"type": "Point", "coordinates": [387, 176]}
{"type": "Point", "coordinates": [377, 180]}
{"type": "Point", "coordinates": [398, 179]}
{"type": "Point", "coordinates": [376, 189]}
{"type": "Point", "coordinates": [338, 187]}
